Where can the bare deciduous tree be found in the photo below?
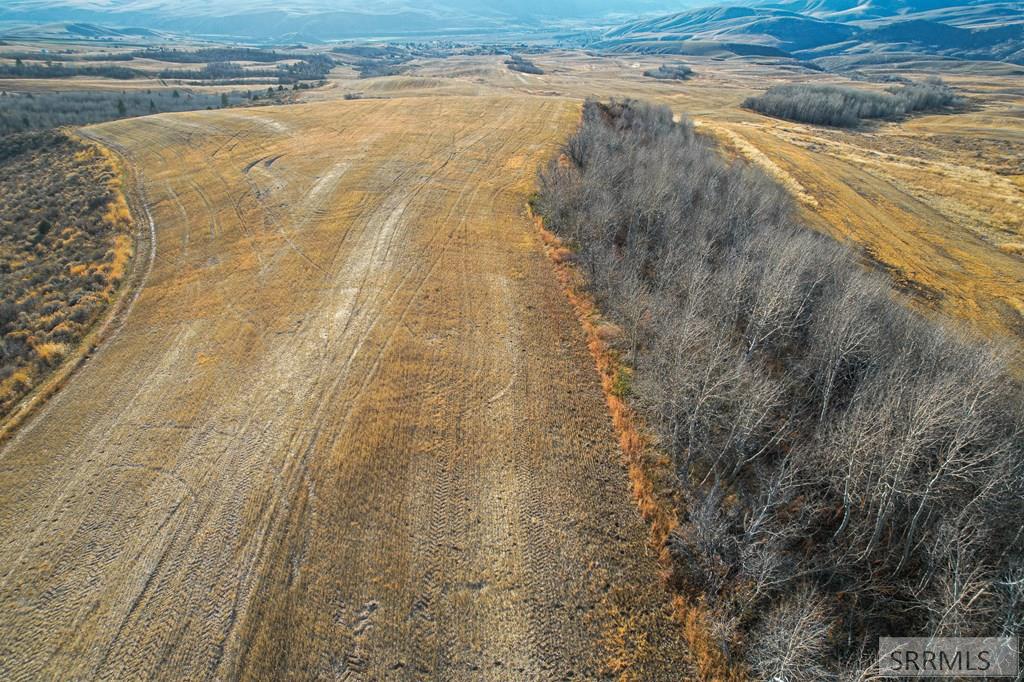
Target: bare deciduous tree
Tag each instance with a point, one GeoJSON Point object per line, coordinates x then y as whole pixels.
{"type": "Point", "coordinates": [830, 443]}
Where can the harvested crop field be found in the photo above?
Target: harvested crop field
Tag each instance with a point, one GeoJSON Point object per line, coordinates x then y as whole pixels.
{"type": "Point", "coordinates": [349, 430]}
{"type": "Point", "coordinates": [935, 200]}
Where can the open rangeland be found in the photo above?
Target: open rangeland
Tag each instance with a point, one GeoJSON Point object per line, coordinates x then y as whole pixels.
{"type": "Point", "coordinates": [349, 429]}
{"type": "Point", "coordinates": [936, 200]}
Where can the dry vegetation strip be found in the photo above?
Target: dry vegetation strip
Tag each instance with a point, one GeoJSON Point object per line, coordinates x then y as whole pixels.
{"type": "Point", "coordinates": [25, 111]}
{"type": "Point", "coordinates": [350, 428]}
{"type": "Point", "coordinates": [847, 468]}
{"type": "Point", "coordinates": [65, 245]}
{"type": "Point", "coordinates": [652, 479]}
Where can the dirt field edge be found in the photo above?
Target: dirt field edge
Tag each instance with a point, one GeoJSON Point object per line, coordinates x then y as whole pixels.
{"type": "Point", "coordinates": [650, 471]}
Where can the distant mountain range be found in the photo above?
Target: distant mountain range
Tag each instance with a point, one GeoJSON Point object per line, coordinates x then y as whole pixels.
{"type": "Point", "coordinates": [313, 20]}
{"type": "Point", "coordinates": [813, 29]}
{"type": "Point", "coordinates": [823, 31]}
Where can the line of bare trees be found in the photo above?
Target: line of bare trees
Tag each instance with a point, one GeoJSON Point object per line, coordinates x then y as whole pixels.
{"type": "Point", "coordinates": [670, 72]}
{"type": "Point", "coordinates": [38, 111]}
{"type": "Point", "coordinates": [312, 67]}
{"type": "Point", "coordinates": [519, 63]}
{"type": "Point", "coordinates": [843, 106]}
{"type": "Point", "coordinates": [215, 54]}
{"type": "Point", "coordinates": [22, 69]}
{"type": "Point", "coordinates": [68, 56]}
{"type": "Point", "coordinates": [850, 469]}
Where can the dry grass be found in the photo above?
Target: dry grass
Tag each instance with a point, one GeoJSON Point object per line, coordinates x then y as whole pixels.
{"type": "Point", "coordinates": [933, 216]}
{"type": "Point", "coordinates": [931, 199]}
{"type": "Point", "coordinates": [50, 353]}
{"type": "Point", "coordinates": [645, 466]}
{"type": "Point", "coordinates": [650, 474]}
{"type": "Point", "coordinates": [705, 652]}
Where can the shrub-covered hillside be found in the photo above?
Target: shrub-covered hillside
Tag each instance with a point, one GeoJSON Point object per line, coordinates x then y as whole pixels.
{"type": "Point", "coordinates": [64, 245]}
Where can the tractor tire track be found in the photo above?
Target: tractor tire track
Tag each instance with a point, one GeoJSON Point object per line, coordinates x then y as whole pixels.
{"type": "Point", "coordinates": [319, 446]}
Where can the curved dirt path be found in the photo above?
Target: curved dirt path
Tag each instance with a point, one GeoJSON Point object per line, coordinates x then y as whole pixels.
{"type": "Point", "coordinates": [349, 431]}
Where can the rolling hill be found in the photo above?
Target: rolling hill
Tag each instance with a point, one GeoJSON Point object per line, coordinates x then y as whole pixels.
{"type": "Point", "coordinates": [825, 28]}
{"type": "Point", "coordinates": [974, 13]}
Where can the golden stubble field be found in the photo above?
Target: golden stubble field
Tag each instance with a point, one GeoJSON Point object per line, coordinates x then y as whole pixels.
{"type": "Point", "coordinates": [349, 430]}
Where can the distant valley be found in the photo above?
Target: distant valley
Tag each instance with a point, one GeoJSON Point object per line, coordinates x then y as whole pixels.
{"type": "Point", "coordinates": [823, 34]}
